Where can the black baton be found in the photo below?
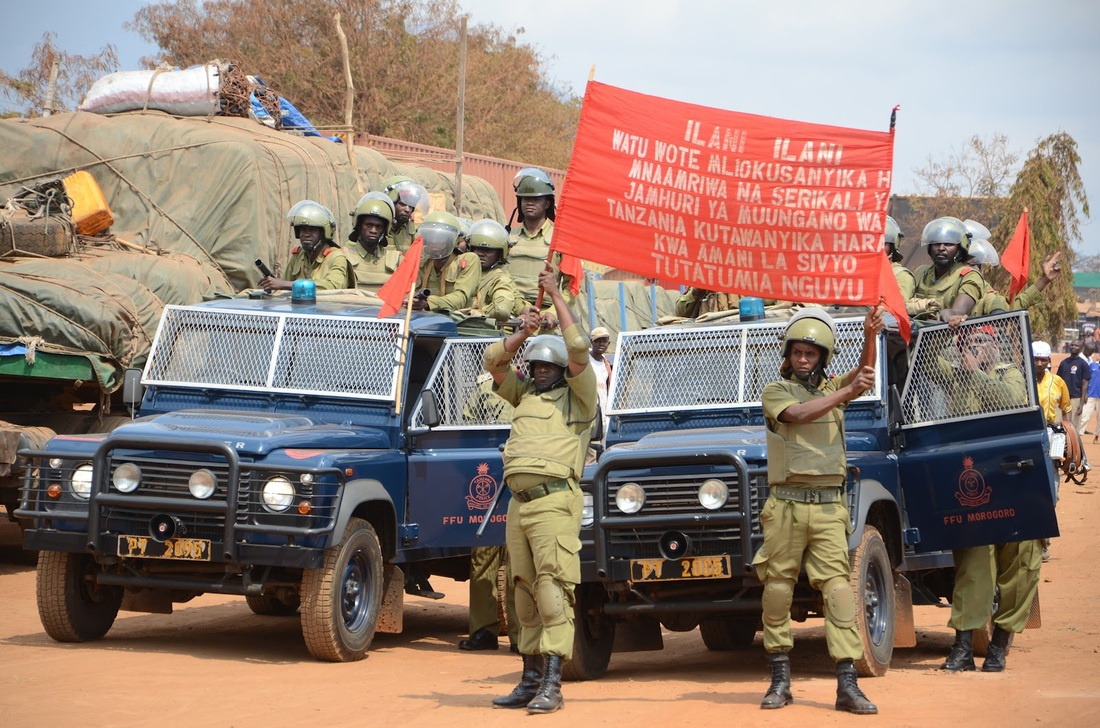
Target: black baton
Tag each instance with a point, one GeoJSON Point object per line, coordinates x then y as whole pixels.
{"type": "Point", "coordinates": [489, 513]}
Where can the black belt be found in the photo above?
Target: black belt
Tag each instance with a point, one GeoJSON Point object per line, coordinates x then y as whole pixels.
{"type": "Point", "coordinates": [806, 495]}
{"type": "Point", "coordinates": [538, 491]}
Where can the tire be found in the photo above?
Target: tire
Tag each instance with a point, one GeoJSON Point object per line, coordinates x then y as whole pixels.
{"type": "Point", "coordinates": [593, 635]}
{"type": "Point", "coordinates": [269, 605]}
{"type": "Point", "coordinates": [873, 586]}
{"type": "Point", "coordinates": [72, 607]}
{"type": "Point", "coordinates": [342, 600]}
{"type": "Point", "coordinates": [723, 634]}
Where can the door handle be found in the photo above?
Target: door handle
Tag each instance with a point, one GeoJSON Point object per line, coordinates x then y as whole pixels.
{"type": "Point", "coordinates": [1018, 465]}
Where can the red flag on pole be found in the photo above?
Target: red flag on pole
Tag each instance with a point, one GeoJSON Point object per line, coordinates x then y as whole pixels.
{"type": "Point", "coordinates": [394, 291]}
{"type": "Point", "coordinates": [1017, 257]}
{"type": "Point", "coordinates": [892, 298]}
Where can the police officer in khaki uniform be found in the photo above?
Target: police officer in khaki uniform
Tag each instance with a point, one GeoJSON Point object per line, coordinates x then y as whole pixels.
{"type": "Point", "coordinates": [555, 411]}
{"type": "Point", "coordinates": [317, 256]}
{"type": "Point", "coordinates": [694, 302]}
{"type": "Point", "coordinates": [985, 382]}
{"type": "Point", "coordinates": [805, 520]}
{"type": "Point", "coordinates": [952, 283]}
{"type": "Point", "coordinates": [371, 258]}
{"type": "Point", "coordinates": [452, 277]}
{"type": "Point", "coordinates": [530, 243]}
{"type": "Point", "coordinates": [410, 203]}
{"type": "Point", "coordinates": [892, 239]}
{"type": "Point", "coordinates": [498, 297]}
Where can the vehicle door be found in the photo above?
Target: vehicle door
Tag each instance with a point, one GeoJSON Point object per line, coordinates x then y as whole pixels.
{"type": "Point", "coordinates": [972, 441]}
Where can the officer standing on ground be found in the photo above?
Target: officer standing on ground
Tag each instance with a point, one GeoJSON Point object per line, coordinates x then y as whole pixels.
{"type": "Point", "coordinates": [555, 409]}
{"type": "Point", "coordinates": [317, 256]}
{"type": "Point", "coordinates": [805, 519]}
{"type": "Point", "coordinates": [371, 258]}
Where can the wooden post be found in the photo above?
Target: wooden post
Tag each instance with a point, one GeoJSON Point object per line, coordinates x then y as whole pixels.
{"type": "Point", "coordinates": [460, 125]}
{"type": "Point", "coordinates": [349, 102]}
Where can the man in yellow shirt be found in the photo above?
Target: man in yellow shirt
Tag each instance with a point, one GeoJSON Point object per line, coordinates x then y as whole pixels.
{"type": "Point", "coordinates": [1053, 393]}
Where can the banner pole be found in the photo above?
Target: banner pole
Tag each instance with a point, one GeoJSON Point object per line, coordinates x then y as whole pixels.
{"type": "Point", "coordinates": [405, 345]}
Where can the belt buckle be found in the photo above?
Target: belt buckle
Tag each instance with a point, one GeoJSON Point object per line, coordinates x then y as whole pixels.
{"type": "Point", "coordinates": [813, 496]}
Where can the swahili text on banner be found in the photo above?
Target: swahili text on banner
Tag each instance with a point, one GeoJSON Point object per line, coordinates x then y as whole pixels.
{"type": "Point", "coordinates": [726, 201]}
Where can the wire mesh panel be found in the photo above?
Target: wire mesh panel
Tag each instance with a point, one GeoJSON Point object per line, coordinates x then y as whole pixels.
{"type": "Point", "coordinates": [699, 368]}
{"type": "Point", "coordinates": [464, 390]}
{"type": "Point", "coordinates": [276, 352]}
{"type": "Point", "coordinates": [981, 368]}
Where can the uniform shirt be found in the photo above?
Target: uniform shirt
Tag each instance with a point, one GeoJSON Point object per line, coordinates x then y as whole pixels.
{"type": "Point", "coordinates": [372, 269]}
{"type": "Point", "coordinates": [527, 257]}
{"type": "Point", "coordinates": [550, 430]}
{"type": "Point", "coordinates": [1053, 397]}
{"type": "Point", "coordinates": [402, 238]}
{"type": "Point", "coordinates": [455, 285]}
{"type": "Point", "coordinates": [329, 271]}
{"type": "Point", "coordinates": [907, 282]}
{"type": "Point", "coordinates": [810, 454]}
{"type": "Point", "coordinates": [497, 295]}
{"type": "Point", "coordinates": [960, 278]}
{"type": "Point", "coordinates": [1075, 371]}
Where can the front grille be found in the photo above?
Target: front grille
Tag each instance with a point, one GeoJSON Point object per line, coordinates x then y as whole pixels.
{"type": "Point", "coordinates": [676, 494]}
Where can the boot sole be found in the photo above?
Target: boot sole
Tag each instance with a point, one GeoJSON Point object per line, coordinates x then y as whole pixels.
{"type": "Point", "coordinates": [542, 711]}
{"type": "Point", "coordinates": [850, 709]}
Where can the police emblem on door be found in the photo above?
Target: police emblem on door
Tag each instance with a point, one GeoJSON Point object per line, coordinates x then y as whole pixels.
{"type": "Point", "coordinates": [482, 489]}
{"type": "Point", "coordinates": [973, 491]}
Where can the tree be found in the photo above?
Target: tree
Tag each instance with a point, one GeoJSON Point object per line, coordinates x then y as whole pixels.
{"type": "Point", "coordinates": [404, 62]}
{"type": "Point", "coordinates": [971, 182]}
{"type": "Point", "coordinates": [75, 74]}
{"type": "Point", "coordinates": [1050, 187]}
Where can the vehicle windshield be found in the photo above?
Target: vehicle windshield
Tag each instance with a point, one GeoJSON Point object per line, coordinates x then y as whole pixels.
{"type": "Point", "coordinates": [284, 353]}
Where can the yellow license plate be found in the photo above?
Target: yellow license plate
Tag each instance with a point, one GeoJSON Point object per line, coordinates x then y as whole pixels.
{"type": "Point", "coordinates": [695, 567]}
{"type": "Point", "coordinates": [182, 549]}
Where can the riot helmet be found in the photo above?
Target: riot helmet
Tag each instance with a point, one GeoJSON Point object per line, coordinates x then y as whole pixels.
{"type": "Point", "coordinates": [532, 182]}
{"type": "Point", "coordinates": [949, 231]}
{"type": "Point", "coordinates": [314, 214]}
{"type": "Point", "coordinates": [440, 233]}
{"type": "Point", "coordinates": [982, 252]}
{"type": "Point", "coordinates": [488, 235]}
{"type": "Point", "coordinates": [372, 204]}
{"type": "Point", "coordinates": [408, 197]}
{"type": "Point", "coordinates": [811, 325]}
{"type": "Point", "coordinates": [892, 238]}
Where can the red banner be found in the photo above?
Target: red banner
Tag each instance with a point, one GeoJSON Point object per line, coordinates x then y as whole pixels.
{"type": "Point", "coordinates": [726, 201]}
{"type": "Point", "coordinates": [1017, 257]}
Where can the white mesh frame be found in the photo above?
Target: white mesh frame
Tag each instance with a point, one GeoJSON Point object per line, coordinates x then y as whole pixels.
{"type": "Point", "coordinates": [275, 352]}
{"type": "Point", "coordinates": [463, 388]}
{"type": "Point", "coordinates": [678, 368]}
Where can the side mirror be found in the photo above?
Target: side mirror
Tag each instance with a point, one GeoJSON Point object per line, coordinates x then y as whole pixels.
{"type": "Point", "coordinates": [429, 408]}
{"type": "Point", "coordinates": [132, 389]}
{"type": "Point", "coordinates": [597, 428]}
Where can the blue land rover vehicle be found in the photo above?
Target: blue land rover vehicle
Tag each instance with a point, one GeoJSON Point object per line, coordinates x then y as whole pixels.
{"type": "Point", "coordinates": [675, 499]}
{"type": "Point", "coordinates": [290, 453]}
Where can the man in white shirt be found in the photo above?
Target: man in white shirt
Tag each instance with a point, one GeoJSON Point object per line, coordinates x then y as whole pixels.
{"type": "Point", "coordinates": [601, 365]}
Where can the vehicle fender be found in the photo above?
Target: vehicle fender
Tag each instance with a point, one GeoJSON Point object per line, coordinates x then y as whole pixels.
{"type": "Point", "coordinates": [368, 499]}
{"type": "Point", "coordinates": [877, 506]}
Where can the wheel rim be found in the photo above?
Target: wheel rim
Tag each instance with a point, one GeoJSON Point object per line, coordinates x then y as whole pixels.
{"type": "Point", "coordinates": [874, 597]}
{"type": "Point", "coordinates": [354, 600]}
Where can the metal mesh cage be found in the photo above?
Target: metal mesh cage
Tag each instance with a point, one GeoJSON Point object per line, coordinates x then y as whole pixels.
{"type": "Point", "coordinates": [276, 352]}
{"type": "Point", "coordinates": [981, 368]}
{"type": "Point", "coordinates": [717, 367]}
{"type": "Point", "coordinates": [464, 390]}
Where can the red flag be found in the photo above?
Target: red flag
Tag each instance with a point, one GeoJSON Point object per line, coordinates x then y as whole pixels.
{"type": "Point", "coordinates": [571, 266]}
{"type": "Point", "coordinates": [892, 298]}
{"type": "Point", "coordinates": [1017, 257]}
{"type": "Point", "coordinates": [726, 201]}
{"type": "Point", "coordinates": [394, 291]}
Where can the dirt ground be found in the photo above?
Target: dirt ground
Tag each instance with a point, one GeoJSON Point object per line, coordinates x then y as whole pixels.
{"type": "Point", "coordinates": [214, 663]}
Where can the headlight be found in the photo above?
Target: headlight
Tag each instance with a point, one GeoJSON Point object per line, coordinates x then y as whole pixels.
{"type": "Point", "coordinates": [81, 480]}
{"type": "Point", "coordinates": [630, 498]}
{"type": "Point", "coordinates": [277, 494]}
{"type": "Point", "coordinates": [588, 511]}
{"type": "Point", "coordinates": [203, 482]}
{"type": "Point", "coordinates": [713, 494]}
{"type": "Point", "coordinates": [126, 478]}
{"type": "Point", "coordinates": [56, 463]}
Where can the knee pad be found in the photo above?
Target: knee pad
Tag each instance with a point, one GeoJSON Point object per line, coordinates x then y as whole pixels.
{"type": "Point", "coordinates": [551, 600]}
{"type": "Point", "coordinates": [840, 604]}
{"type": "Point", "coordinates": [526, 611]}
{"type": "Point", "coordinates": [776, 602]}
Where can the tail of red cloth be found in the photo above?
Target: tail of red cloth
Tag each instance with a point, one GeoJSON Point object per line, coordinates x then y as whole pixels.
{"type": "Point", "coordinates": [394, 291]}
{"type": "Point", "coordinates": [1017, 257]}
{"type": "Point", "coordinates": [891, 297]}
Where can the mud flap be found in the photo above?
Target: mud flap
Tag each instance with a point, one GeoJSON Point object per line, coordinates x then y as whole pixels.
{"type": "Point", "coordinates": [391, 616]}
{"type": "Point", "coordinates": [905, 635]}
{"type": "Point", "coordinates": [638, 635]}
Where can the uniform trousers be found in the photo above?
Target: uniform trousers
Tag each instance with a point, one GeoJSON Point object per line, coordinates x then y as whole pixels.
{"type": "Point", "coordinates": [1013, 568]}
{"type": "Point", "coordinates": [815, 534]}
{"type": "Point", "coordinates": [484, 597]}
{"type": "Point", "coordinates": [543, 540]}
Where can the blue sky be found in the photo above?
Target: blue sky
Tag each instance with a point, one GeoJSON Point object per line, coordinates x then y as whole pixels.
{"type": "Point", "coordinates": [957, 68]}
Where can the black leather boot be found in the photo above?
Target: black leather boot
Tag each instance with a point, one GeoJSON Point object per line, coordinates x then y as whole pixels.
{"type": "Point", "coordinates": [548, 699]}
{"type": "Point", "coordinates": [779, 692]}
{"type": "Point", "coordinates": [998, 650]}
{"type": "Point", "coordinates": [848, 695]}
{"type": "Point", "coordinates": [528, 686]}
{"type": "Point", "coordinates": [961, 657]}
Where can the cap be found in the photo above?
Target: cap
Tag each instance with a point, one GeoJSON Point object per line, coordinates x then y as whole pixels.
{"type": "Point", "coordinates": [599, 333]}
{"type": "Point", "coordinates": [1040, 350]}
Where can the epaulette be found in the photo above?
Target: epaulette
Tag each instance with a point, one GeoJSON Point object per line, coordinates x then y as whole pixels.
{"type": "Point", "coordinates": [326, 252]}
{"type": "Point", "coordinates": [297, 249]}
{"type": "Point", "coordinates": [965, 270]}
